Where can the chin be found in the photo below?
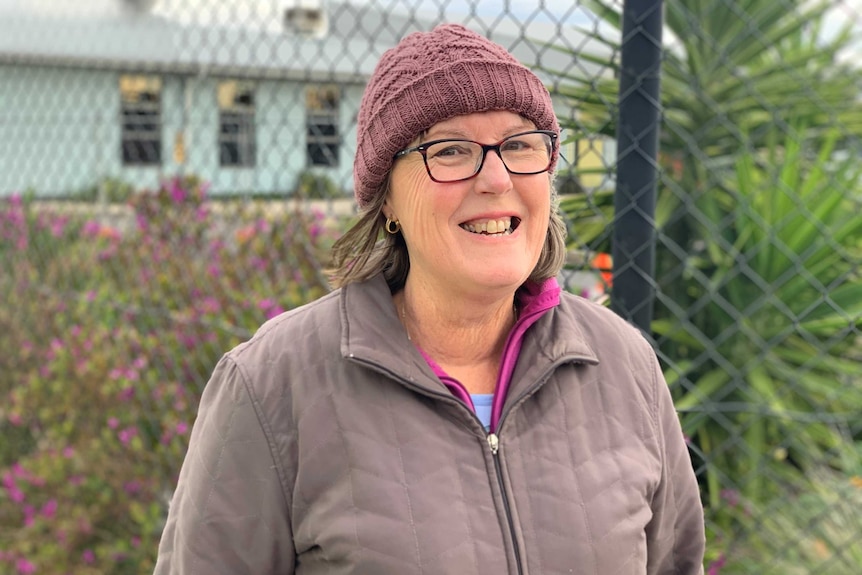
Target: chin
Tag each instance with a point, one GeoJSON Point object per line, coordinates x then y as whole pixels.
{"type": "Point", "coordinates": [501, 278]}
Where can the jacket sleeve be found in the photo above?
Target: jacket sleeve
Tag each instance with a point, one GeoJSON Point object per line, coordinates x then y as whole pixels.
{"type": "Point", "coordinates": [675, 535]}
{"type": "Point", "coordinates": [228, 514]}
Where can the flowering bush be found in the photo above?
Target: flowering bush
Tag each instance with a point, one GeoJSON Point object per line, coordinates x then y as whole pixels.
{"type": "Point", "coordinates": [111, 325]}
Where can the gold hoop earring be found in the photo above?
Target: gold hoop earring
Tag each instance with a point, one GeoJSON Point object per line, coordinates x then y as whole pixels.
{"type": "Point", "coordinates": [392, 226]}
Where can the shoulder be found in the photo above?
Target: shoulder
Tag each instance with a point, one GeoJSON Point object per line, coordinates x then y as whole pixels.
{"type": "Point", "coordinates": [600, 325]}
{"type": "Point", "coordinates": [303, 334]}
{"type": "Point", "coordinates": [624, 354]}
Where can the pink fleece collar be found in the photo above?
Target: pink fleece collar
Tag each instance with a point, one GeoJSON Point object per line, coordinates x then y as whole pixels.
{"type": "Point", "coordinates": [535, 300]}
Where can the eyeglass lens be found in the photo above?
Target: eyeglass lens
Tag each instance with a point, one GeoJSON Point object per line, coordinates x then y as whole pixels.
{"type": "Point", "coordinates": [452, 160]}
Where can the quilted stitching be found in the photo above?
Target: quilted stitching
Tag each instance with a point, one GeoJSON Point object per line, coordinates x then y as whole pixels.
{"type": "Point", "coordinates": [347, 449]}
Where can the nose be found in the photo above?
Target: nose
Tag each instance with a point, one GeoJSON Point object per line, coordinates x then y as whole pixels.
{"type": "Point", "coordinates": [493, 176]}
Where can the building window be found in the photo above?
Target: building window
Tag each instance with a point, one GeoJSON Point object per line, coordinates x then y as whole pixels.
{"type": "Point", "coordinates": [322, 139]}
{"type": "Point", "coordinates": [236, 136]}
{"type": "Point", "coordinates": [141, 112]}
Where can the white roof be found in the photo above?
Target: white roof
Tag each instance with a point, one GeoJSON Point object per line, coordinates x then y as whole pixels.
{"type": "Point", "coordinates": [246, 37]}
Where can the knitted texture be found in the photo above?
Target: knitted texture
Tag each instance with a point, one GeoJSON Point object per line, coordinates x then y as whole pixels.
{"type": "Point", "coordinates": [430, 77]}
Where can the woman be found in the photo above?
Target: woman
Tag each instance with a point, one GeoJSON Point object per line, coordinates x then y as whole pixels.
{"type": "Point", "coordinates": [448, 409]}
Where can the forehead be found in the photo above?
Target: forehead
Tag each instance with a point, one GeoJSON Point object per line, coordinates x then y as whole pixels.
{"type": "Point", "coordinates": [493, 125]}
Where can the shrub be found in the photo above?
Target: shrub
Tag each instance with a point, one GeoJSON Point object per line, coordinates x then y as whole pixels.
{"type": "Point", "coordinates": [116, 330]}
{"type": "Point", "coordinates": [314, 185]}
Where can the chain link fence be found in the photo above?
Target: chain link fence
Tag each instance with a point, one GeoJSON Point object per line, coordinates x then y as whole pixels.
{"type": "Point", "coordinates": [173, 173]}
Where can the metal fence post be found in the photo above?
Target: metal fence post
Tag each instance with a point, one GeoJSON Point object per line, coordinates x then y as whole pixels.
{"type": "Point", "coordinates": [637, 169]}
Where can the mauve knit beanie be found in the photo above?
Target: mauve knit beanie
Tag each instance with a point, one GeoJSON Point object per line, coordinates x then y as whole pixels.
{"type": "Point", "coordinates": [430, 77]}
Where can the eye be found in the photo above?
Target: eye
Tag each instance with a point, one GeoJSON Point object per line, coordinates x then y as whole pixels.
{"type": "Point", "coordinates": [450, 150]}
{"type": "Point", "coordinates": [517, 145]}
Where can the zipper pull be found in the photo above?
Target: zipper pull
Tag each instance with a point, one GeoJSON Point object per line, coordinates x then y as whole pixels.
{"type": "Point", "coordinates": [494, 442]}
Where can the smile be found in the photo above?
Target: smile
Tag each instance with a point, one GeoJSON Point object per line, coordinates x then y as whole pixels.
{"type": "Point", "coordinates": [495, 227]}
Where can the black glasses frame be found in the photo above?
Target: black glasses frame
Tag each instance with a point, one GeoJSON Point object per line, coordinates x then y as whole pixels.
{"type": "Point", "coordinates": [423, 149]}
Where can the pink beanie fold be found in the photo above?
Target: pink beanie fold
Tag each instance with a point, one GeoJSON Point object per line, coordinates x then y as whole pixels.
{"type": "Point", "coordinates": [430, 77]}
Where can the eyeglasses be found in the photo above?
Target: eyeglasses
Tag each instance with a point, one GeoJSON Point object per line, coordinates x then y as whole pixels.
{"type": "Point", "coordinates": [457, 160]}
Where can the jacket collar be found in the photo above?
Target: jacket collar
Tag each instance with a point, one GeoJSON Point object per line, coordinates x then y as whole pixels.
{"type": "Point", "coordinates": [372, 334]}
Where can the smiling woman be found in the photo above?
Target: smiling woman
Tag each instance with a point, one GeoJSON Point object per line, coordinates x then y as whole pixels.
{"type": "Point", "coordinates": [446, 409]}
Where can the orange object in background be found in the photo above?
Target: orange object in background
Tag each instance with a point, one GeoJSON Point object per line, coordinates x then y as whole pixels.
{"type": "Point", "coordinates": [604, 264]}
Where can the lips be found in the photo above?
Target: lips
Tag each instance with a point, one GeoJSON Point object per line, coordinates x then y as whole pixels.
{"type": "Point", "coordinates": [490, 227]}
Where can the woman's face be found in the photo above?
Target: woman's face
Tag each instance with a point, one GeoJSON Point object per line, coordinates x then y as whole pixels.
{"type": "Point", "coordinates": [448, 227]}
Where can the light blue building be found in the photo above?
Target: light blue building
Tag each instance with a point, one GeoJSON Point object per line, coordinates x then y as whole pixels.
{"type": "Point", "coordinates": [245, 95]}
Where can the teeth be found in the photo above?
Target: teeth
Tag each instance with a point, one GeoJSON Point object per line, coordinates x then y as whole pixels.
{"type": "Point", "coordinates": [501, 226]}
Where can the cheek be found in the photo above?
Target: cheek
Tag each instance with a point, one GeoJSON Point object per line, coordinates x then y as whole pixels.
{"type": "Point", "coordinates": [406, 190]}
{"type": "Point", "coordinates": [540, 210]}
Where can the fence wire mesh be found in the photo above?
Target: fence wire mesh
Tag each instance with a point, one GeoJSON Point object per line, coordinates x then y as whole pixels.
{"type": "Point", "coordinates": [173, 173]}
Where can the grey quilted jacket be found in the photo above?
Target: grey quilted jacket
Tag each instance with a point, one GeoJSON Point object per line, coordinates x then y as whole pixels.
{"type": "Point", "coordinates": [326, 445]}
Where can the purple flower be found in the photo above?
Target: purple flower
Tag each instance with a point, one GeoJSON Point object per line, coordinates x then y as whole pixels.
{"type": "Point", "coordinates": [49, 508]}
{"type": "Point", "coordinates": [113, 422]}
{"type": "Point", "coordinates": [715, 566]}
{"type": "Point", "coordinates": [24, 566]}
{"type": "Point", "coordinates": [90, 229]}
{"type": "Point", "coordinates": [315, 231]}
{"type": "Point", "coordinates": [210, 305]}
{"type": "Point", "coordinates": [16, 495]}
{"type": "Point", "coordinates": [126, 435]}
{"type": "Point", "coordinates": [58, 226]}
{"type": "Point", "coordinates": [132, 487]}
{"type": "Point", "coordinates": [178, 194]}
{"type": "Point", "coordinates": [270, 308]}
{"type": "Point", "coordinates": [258, 263]}
{"type": "Point", "coordinates": [88, 556]}
{"type": "Point", "coordinates": [56, 345]}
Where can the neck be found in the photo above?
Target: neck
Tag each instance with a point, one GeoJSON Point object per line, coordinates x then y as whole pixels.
{"type": "Point", "coordinates": [456, 333]}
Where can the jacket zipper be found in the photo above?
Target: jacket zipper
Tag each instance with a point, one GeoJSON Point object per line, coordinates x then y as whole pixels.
{"type": "Point", "coordinates": [494, 443]}
{"type": "Point", "coordinates": [492, 438]}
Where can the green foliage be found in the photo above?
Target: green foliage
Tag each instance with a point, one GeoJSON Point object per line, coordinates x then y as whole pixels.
{"type": "Point", "coordinates": [812, 527]}
{"type": "Point", "coordinates": [317, 186]}
{"type": "Point", "coordinates": [108, 189]}
{"type": "Point", "coordinates": [587, 216]}
{"type": "Point", "coordinates": [729, 67]}
{"type": "Point", "coordinates": [778, 305]}
{"type": "Point", "coordinates": [758, 301]}
{"type": "Point", "coordinates": [116, 322]}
